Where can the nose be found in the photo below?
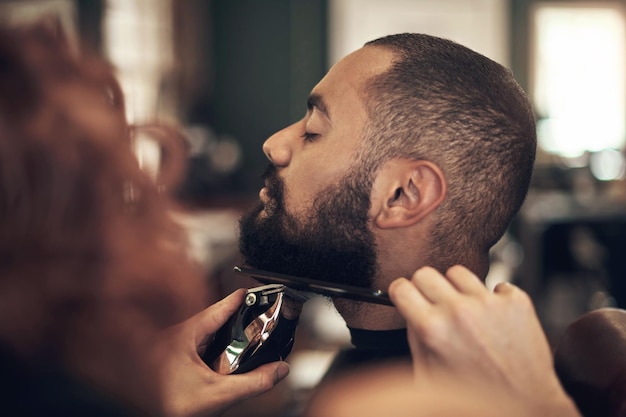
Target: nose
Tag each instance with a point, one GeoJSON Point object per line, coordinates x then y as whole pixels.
{"type": "Point", "coordinates": [278, 148]}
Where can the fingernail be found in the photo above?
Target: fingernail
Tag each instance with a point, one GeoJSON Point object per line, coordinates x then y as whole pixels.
{"type": "Point", "coordinates": [282, 371]}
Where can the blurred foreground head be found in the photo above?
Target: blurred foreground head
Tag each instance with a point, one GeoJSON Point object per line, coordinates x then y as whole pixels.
{"type": "Point", "coordinates": [590, 361]}
{"type": "Point", "coordinates": [90, 263]}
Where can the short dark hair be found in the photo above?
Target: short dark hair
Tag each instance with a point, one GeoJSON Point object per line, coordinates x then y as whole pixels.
{"type": "Point", "coordinates": [445, 103]}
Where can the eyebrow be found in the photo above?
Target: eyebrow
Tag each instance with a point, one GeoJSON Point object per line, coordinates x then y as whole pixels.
{"type": "Point", "coordinates": [315, 101]}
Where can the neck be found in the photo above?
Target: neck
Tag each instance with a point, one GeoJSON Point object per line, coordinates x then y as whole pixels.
{"type": "Point", "coordinates": [368, 316]}
{"type": "Point", "coordinates": [401, 261]}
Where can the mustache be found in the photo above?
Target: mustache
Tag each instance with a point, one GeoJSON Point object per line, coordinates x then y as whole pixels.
{"type": "Point", "coordinates": [273, 183]}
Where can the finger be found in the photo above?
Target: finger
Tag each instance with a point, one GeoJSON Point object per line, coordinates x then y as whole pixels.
{"type": "Point", "coordinates": [409, 300]}
{"type": "Point", "coordinates": [514, 294]}
{"type": "Point", "coordinates": [504, 288]}
{"type": "Point", "coordinates": [465, 281]}
{"type": "Point", "coordinates": [255, 382]}
{"type": "Point", "coordinates": [212, 318]}
{"type": "Point", "coordinates": [434, 286]}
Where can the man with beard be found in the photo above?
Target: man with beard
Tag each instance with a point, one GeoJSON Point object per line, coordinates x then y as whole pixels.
{"type": "Point", "coordinates": [414, 151]}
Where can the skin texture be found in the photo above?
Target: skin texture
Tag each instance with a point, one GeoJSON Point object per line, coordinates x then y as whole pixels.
{"type": "Point", "coordinates": [337, 126]}
{"type": "Point", "coordinates": [457, 324]}
{"type": "Point", "coordinates": [329, 132]}
{"type": "Point", "coordinates": [402, 197]}
{"type": "Point", "coordinates": [414, 151]}
{"type": "Point", "coordinates": [487, 348]}
{"type": "Point", "coordinates": [193, 389]}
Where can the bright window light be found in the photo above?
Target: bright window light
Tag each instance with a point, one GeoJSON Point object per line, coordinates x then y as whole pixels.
{"type": "Point", "coordinates": [578, 89]}
{"type": "Point", "coordinates": [138, 41]}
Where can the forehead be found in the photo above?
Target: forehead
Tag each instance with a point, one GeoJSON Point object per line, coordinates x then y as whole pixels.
{"type": "Point", "coordinates": [343, 86]}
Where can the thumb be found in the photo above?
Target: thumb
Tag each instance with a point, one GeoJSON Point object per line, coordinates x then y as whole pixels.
{"type": "Point", "coordinates": [256, 381]}
{"type": "Point", "coordinates": [209, 320]}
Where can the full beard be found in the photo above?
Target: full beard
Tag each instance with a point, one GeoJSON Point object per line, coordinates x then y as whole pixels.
{"type": "Point", "coordinates": [333, 245]}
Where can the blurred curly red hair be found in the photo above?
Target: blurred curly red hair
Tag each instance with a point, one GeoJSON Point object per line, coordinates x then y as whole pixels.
{"type": "Point", "coordinates": [90, 262]}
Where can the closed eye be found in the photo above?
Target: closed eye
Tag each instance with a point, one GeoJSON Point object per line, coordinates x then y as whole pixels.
{"type": "Point", "coordinates": [310, 137]}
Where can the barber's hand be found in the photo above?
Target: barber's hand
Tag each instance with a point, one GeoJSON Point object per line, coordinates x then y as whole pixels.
{"type": "Point", "coordinates": [188, 386]}
{"type": "Point", "coordinates": [459, 330]}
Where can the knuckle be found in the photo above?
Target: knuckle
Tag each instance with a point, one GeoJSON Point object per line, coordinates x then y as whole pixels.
{"type": "Point", "coordinates": [433, 331]}
{"type": "Point", "coordinates": [265, 381]}
{"type": "Point", "coordinates": [521, 297]}
{"type": "Point", "coordinates": [464, 316]}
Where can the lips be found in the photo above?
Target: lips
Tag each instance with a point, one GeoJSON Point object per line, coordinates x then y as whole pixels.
{"type": "Point", "coordinates": [263, 196]}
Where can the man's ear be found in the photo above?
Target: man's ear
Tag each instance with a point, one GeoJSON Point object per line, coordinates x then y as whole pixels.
{"type": "Point", "coordinates": [406, 191]}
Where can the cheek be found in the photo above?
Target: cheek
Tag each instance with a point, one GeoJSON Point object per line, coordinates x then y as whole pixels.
{"type": "Point", "coordinates": [302, 189]}
{"type": "Point", "coordinates": [299, 196]}
{"type": "Point", "coordinates": [309, 175]}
